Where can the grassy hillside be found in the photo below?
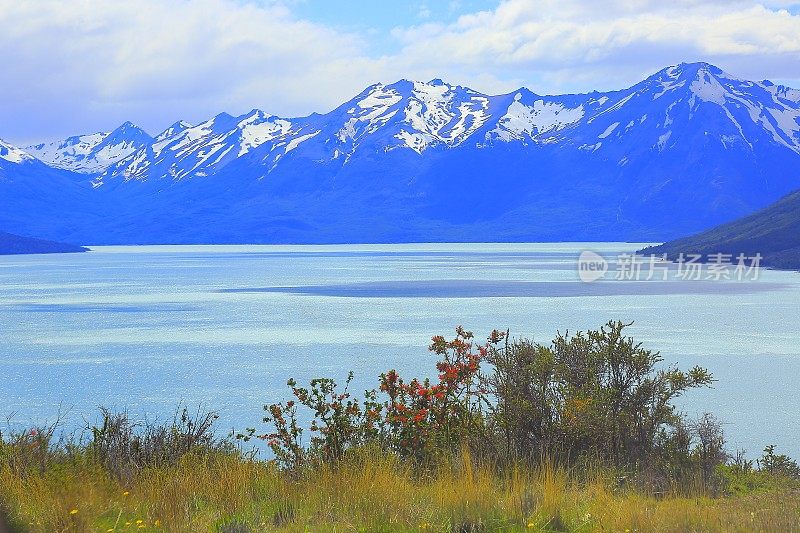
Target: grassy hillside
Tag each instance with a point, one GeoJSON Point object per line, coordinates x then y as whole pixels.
{"type": "Point", "coordinates": [15, 244]}
{"type": "Point", "coordinates": [774, 232]}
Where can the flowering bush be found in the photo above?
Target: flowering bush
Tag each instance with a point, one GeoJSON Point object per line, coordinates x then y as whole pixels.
{"type": "Point", "coordinates": [598, 394]}
{"type": "Point", "coordinates": [339, 422]}
{"type": "Point", "coordinates": [415, 419]}
{"type": "Point", "coordinates": [423, 418]}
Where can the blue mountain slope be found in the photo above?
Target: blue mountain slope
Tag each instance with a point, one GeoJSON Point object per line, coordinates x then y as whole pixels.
{"type": "Point", "coordinates": [687, 148]}
{"type": "Point", "coordinates": [16, 244]}
{"type": "Point", "coordinates": [36, 199]}
{"type": "Point", "coordinates": [772, 232]}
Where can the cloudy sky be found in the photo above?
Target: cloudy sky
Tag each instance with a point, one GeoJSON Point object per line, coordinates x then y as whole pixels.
{"type": "Point", "coordinates": [88, 65]}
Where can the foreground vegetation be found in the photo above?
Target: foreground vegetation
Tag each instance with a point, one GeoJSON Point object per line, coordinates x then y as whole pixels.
{"type": "Point", "coordinates": [579, 435]}
{"type": "Point", "coordinates": [371, 492]}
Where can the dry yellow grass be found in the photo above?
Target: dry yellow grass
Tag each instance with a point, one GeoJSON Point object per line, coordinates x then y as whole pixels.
{"type": "Point", "coordinates": [368, 493]}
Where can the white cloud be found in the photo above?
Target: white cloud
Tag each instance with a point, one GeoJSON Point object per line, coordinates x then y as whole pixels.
{"type": "Point", "coordinates": [72, 67]}
{"type": "Point", "coordinates": [565, 44]}
{"type": "Point", "coordinates": [94, 63]}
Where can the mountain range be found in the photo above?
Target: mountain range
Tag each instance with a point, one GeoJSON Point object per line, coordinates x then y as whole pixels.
{"type": "Point", "coordinates": [685, 149]}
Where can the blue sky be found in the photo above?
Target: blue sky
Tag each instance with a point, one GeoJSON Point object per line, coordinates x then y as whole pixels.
{"type": "Point", "coordinates": [80, 67]}
{"type": "Point", "coordinates": [375, 20]}
{"type": "Point", "coordinates": [383, 16]}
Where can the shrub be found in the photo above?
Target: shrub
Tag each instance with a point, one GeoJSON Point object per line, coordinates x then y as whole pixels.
{"type": "Point", "coordinates": [597, 395]}
{"type": "Point", "coordinates": [339, 423]}
{"type": "Point", "coordinates": [709, 452]}
{"type": "Point", "coordinates": [124, 447]}
{"type": "Point", "coordinates": [416, 419]}
{"type": "Point", "coordinates": [525, 399]}
{"type": "Point", "coordinates": [779, 464]}
{"type": "Point", "coordinates": [424, 419]}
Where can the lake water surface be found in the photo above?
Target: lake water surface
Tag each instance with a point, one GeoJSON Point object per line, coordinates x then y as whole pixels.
{"type": "Point", "coordinates": [146, 327]}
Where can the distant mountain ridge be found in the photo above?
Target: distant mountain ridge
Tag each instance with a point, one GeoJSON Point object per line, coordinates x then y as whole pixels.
{"type": "Point", "coordinates": [773, 232]}
{"type": "Point", "coordinates": [94, 152]}
{"type": "Point", "coordinates": [685, 149]}
{"type": "Point", "coordinates": [16, 244]}
{"type": "Point", "coordinates": [12, 154]}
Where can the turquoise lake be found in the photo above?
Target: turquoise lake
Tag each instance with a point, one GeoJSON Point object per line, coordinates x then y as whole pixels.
{"type": "Point", "coordinates": [144, 328]}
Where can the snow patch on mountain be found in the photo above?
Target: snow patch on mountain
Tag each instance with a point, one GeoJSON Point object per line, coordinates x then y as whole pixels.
{"type": "Point", "coordinates": [12, 154]}
{"type": "Point", "coordinates": [415, 115]}
{"type": "Point", "coordinates": [415, 140]}
{"type": "Point", "coordinates": [609, 131]}
{"type": "Point", "coordinates": [71, 153]}
{"type": "Point", "coordinates": [709, 89]}
{"type": "Point", "coordinates": [260, 128]}
{"type": "Point", "coordinates": [527, 121]}
{"type": "Point", "coordinates": [370, 113]}
{"type": "Point", "coordinates": [788, 123]}
{"type": "Point", "coordinates": [173, 130]}
{"type": "Point", "coordinates": [427, 109]}
{"type": "Point", "coordinates": [663, 139]}
{"type": "Point", "coordinates": [472, 115]}
{"type": "Point", "coordinates": [439, 113]}
{"type": "Point", "coordinates": [294, 143]}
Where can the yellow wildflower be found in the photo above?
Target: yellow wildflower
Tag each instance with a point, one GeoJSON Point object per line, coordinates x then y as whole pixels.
{"type": "Point", "coordinates": [73, 512]}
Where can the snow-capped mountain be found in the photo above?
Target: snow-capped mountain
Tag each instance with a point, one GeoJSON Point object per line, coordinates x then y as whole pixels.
{"type": "Point", "coordinates": [404, 115]}
{"type": "Point", "coordinates": [33, 195]}
{"type": "Point", "coordinates": [12, 154]}
{"type": "Point", "coordinates": [94, 152]}
{"type": "Point", "coordinates": [183, 150]}
{"type": "Point", "coordinates": [434, 115]}
{"type": "Point", "coordinates": [687, 148]}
